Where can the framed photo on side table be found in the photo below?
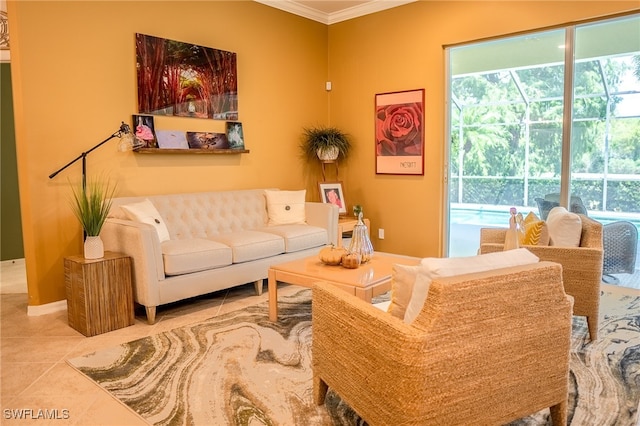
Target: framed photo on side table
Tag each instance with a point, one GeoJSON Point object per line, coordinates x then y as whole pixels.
{"type": "Point", "coordinates": [331, 192]}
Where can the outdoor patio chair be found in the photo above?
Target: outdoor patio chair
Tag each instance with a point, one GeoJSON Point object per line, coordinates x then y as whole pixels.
{"type": "Point", "coordinates": [620, 241]}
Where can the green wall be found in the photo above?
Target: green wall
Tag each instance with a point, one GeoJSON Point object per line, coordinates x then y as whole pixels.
{"type": "Point", "coordinates": [10, 224]}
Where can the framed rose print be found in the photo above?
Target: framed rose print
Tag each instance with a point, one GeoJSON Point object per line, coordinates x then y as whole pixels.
{"type": "Point", "coordinates": [399, 132]}
{"type": "Point", "coordinates": [331, 192]}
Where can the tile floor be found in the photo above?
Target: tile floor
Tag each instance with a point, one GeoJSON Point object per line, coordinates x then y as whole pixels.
{"type": "Point", "coordinates": [35, 376]}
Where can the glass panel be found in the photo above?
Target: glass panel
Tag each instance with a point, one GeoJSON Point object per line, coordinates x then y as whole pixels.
{"type": "Point", "coordinates": [605, 170]}
{"type": "Point", "coordinates": [506, 132]}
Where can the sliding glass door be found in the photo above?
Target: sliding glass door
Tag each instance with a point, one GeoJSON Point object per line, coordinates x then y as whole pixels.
{"type": "Point", "coordinates": [506, 131]}
{"type": "Point", "coordinates": [553, 115]}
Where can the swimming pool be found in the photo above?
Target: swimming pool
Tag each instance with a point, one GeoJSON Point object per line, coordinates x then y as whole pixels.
{"type": "Point", "coordinates": [465, 221]}
{"type": "Point", "coordinates": [499, 216]}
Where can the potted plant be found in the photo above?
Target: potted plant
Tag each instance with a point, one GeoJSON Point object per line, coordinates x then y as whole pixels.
{"type": "Point", "coordinates": [325, 143]}
{"type": "Point", "coordinates": [91, 204]}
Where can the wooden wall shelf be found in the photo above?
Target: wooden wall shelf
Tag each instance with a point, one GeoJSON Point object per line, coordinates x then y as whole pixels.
{"type": "Point", "coordinates": [190, 151]}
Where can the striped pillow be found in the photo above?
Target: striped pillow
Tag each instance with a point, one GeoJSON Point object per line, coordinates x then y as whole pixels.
{"type": "Point", "coordinates": [536, 232]}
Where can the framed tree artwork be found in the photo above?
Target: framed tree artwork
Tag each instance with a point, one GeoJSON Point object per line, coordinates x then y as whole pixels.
{"type": "Point", "coordinates": [186, 80]}
{"type": "Point", "coordinates": [399, 132]}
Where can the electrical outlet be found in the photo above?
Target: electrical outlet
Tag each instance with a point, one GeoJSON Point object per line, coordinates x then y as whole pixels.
{"type": "Point", "coordinates": [381, 234]}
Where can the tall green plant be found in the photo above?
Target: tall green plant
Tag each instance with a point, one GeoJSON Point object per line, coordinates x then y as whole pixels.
{"type": "Point", "coordinates": [91, 205]}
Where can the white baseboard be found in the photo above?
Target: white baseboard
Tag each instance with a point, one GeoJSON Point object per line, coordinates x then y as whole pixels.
{"type": "Point", "coordinates": [49, 308]}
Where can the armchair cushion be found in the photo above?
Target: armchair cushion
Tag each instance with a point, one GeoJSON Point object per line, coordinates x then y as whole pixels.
{"type": "Point", "coordinates": [565, 227]}
{"type": "Point", "coordinates": [434, 268]}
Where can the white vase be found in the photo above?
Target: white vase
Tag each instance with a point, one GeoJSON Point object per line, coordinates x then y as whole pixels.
{"type": "Point", "coordinates": [93, 248]}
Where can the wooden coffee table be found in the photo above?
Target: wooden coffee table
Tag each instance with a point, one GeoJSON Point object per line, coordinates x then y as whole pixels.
{"type": "Point", "coordinates": [369, 280]}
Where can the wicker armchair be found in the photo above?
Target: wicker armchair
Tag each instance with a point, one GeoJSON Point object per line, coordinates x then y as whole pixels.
{"type": "Point", "coordinates": [581, 266]}
{"type": "Point", "coordinates": [619, 239]}
{"type": "Point", "coordinates": [487, 348]}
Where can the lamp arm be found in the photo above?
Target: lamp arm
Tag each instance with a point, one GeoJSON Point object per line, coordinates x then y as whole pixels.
{"type": "Point", "coordinates": [124, 128]}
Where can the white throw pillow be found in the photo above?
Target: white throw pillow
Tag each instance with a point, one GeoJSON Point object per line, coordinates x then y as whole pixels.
{"type": "Point", "coordinates": [434, 267]}
{"type": "Point", "coordinates": [146, 212]}
{"type": "Point", "coordinates": [565, 228]}
{"type": "Point", "coordinates": [402, 279]}
{"type": "Point", "coordinates": [286, 207]}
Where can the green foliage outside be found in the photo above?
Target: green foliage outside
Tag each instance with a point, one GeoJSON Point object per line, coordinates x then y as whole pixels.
{"type": "Point", "coordinates": [496, 138]}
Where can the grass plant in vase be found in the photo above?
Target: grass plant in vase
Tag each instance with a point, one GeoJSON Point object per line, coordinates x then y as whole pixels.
{"type": "Point", "coordinates": [91, 204]}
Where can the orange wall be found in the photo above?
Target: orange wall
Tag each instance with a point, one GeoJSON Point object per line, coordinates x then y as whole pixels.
{"type": "Point", "coordinates": [73, 69]}
{"type": "Point", "coordinates": [74, 77]}
{"type": "Point", "coordinates": [402, 49]}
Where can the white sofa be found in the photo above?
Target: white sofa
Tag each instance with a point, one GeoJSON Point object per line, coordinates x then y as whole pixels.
{"type": "Point", "coordinates": [215, 240]}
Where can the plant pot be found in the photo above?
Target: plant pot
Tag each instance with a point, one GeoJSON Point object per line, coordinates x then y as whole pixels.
{"type": "Point", "coordinates": [93, 248]}
{"type": "Point", "coordinates": [328, 154]}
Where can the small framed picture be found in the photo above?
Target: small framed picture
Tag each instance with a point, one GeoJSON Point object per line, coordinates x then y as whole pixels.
{"type": "Point", "coordinates": [331, 192]}
{"type": "Point", "coordinates": [207, 140]}
{"type": "Point", "coordinates": [235, 135]}
{"type": "Point", "coordinates": [144, 130]}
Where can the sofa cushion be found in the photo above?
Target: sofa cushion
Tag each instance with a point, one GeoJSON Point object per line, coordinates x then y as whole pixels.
{"type": "Point", "coordinates": [299, 237]}
{"type": "Point", "coordinates": [285, 207]}
{"type": "Point", "coordinates": [185, 256]}
{"type": "Point", "coordinates": [146, 212]}
{"type": "Point", "coordinates": [251, 245]}
{"type": "Point", "coordinates": [565, 228]}
{"type": "Point", "coordinates": [446, 267]}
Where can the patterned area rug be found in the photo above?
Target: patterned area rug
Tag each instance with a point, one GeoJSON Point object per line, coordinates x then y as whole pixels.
{"type": "Point", "coordinates": [242, 369]}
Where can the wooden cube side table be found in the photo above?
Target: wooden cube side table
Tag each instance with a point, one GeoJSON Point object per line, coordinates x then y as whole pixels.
{"type": "Point", "coordinates": [99, 293]}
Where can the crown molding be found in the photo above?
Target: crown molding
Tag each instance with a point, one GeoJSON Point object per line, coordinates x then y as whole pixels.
{"type": "Point", "coordinates": [373, 6]}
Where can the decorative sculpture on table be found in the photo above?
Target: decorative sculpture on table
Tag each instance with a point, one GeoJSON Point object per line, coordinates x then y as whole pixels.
{"type": "Point", "coordinates": [360, 241]}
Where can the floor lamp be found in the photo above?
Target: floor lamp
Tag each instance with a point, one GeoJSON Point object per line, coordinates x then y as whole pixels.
{"type": "Point", "coordinates": [128, 142]}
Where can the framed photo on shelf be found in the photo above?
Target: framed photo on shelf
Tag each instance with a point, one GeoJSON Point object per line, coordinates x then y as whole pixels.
{"type": "Point", "coordinates": [144, 130]}
{"type": "Point", "coordinates": [235, 135]}
{"type": "Point", "coordinates": [331, 192]}
{"type": "Point", "coordinates": [399, 132]}
{"type": "Point", "coordinates": [207, 140]}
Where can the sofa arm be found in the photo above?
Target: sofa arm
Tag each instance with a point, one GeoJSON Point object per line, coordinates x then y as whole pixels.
{"type": "Point", "coordinates": [140, 242]}
{"type": "Point", "coordinates": [323, 215]}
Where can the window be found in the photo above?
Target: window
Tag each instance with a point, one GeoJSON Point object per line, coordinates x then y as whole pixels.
{"type": "Point", "coordinates": [507, 136]}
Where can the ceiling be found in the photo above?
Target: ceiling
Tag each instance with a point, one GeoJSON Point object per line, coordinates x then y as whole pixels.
{"type": "Point", "coordinates": [329, 11]}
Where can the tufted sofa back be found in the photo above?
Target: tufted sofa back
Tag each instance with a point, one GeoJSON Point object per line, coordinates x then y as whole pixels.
{"type": "Point", "coordinates": [204, 214]}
